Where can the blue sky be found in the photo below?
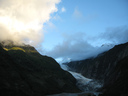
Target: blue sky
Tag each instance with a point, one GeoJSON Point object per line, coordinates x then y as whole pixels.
{"type": "Point", "coordinates": [92, 21]}
{"type": "Point", "coordinates": [93, 17]}
{"type": "Point", "coordinates": [65, 29]}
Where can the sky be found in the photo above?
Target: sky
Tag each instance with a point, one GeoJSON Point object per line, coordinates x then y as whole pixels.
{"type": "Point", "coordinates": [80, 27]}
{"type": "Point", "coordinates": [65, 29]}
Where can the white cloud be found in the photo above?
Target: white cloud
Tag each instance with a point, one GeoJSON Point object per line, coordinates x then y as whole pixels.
{"type": "Point", "coordinates": [116, 35]}
{"type": "Point", "coordinates": [81, 46]}
{"type": "Point", "coordinates": [77, 14]}
{"type": "Point", "coordinates": [22, 20]}
{"type": "Point", "coordinates": [81, 18]}
{"type": "Point", "coordinates": [75, 47]}
{"type": "Point", "coordinates": [63, 9]}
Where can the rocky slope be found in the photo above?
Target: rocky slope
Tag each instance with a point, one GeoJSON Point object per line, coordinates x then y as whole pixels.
{"type": "Point", "coordinates": [109, 67]}
{"type": "Point", "coordinates": [117, 83]}
{"type": "Point", "coordinates": [24, 72]}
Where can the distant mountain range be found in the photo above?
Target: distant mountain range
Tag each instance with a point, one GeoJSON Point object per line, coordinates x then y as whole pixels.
{"type": "Point", "coordinates": [110, 67]}
{"type": "Point", "coordinates": [25, 72]}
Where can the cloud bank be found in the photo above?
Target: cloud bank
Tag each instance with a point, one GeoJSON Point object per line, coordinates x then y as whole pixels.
{"type": "Point", "coordinates": [75, 47]}
{"type": "Point", "coordinates": [116, 35]}
{"type": "Point", "coordinates": [22, 20]}
{"type": "Point", "coordinates": [80, 46]}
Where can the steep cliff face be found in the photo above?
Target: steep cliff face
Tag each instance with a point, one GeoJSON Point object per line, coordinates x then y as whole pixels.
{"type": "Point", "coordinates": [117, 83]}
{"type": "Point", "coordinates": [111, 67]}
{"type": "Point", "coordinates": [24, 72]}
{"type": "Point", "coordinates": [101, 66]}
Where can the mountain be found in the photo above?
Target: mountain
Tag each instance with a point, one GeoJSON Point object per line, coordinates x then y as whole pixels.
{"type": "Point", "coordinates": [25, 72]}
{"type": "Point", "coordinates": [110, 67]}
{"type": "Point", "coordinates": [117, 83]}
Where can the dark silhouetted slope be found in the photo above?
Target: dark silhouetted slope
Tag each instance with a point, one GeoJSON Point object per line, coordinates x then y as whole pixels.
{"type": "Point", "coordinates": [117, 83]}
{"type": "Point", "coordinates": [24, 72]}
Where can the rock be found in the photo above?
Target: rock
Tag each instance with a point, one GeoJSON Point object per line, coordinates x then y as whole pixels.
{"type": "Point", "coordinates": [100, 67]}
{"type": "Point", "coordinates": [110, 67]}
{"type": "Point", "coordinates": [116, 84]}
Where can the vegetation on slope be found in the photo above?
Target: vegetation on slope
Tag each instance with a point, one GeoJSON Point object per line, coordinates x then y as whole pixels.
{"type": "Point", "coordinates": [25, 72]}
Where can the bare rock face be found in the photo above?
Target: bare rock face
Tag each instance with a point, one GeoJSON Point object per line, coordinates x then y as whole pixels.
{"type": "Point", "coordinates": [116, 84]}
{"type": "Point", "coordinates": [109, 67]}
{"type": "Point", "coordinates": [25, 72]}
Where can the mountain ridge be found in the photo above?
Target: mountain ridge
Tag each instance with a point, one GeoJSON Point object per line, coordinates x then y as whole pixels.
{"type": "Point", "coordinates": [104, 67]}
{"type": "Point", "coordinates": [25, 72]}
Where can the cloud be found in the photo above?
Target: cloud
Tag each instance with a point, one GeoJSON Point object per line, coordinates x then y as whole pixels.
{"type": "Point", "coordinates": [77, 14]}
{"type": "Point", "coordinates": [80, 46]}
{"type": "Point", "coordinates": [82, 18]}
{"type": "Point", "coordinates": [22, 20]}
{"type": "Point", "coordinates": [116, 35]}
{"type": "Point", "coordinates": [75, 47]}
{"type": "Point", "coordinates": [63, 9]}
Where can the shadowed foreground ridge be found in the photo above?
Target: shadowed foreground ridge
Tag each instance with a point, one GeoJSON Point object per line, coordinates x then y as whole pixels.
{"type": "Point", "coordinates": [24, 72]}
